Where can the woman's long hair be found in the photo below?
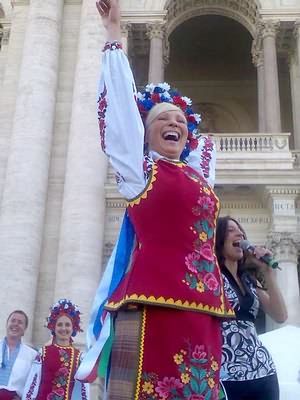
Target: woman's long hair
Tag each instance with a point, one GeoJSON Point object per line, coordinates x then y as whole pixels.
{"type": "Point", "coordinates": [221, 232]}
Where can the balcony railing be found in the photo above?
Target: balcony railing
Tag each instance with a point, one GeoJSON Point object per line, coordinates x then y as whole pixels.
{"type": "Point", "coordinates": [259, 151]}
{"type": "Point", "coordinates": [252, 142]}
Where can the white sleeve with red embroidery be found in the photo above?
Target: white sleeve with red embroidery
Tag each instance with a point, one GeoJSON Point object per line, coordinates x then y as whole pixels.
{"type": "Point", "coordinates": [203, 159]}
{"type": "Point", "coordinates": [120, 125]}
{"type": "Point", "coordinates": [33, 381]}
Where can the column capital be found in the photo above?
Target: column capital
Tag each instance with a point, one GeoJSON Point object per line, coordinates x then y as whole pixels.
{"type": "Point", "coordinates": [269, 28]}
{"type": "Point", "coordinates": [296, 30]}
{"type": "Point", "coordinates": [4, 35]}
{"type": "Point", "coordinates": [285, 245]}
{"type": "Point", "coordinates": [156, 30]}
{"type": "Point", "coordinates": [126, 28]}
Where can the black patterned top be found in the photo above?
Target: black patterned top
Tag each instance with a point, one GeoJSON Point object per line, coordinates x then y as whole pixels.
{"type": "Point", "coordinates": [243, 355]}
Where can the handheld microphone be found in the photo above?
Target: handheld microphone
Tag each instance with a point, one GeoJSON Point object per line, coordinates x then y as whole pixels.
{"type": "Point", "coordinates": [247, 246]}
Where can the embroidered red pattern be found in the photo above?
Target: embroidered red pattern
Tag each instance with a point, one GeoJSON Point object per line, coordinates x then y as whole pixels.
{"type": "Point", "coordinates": [32, 387]}
{"type": "Point", "coordinates": [196, 378]}
{"type": "Point", "coordinates": [112, 46]}
{"type": "Point", "coordinates": [206, 156]}
{"type": "Point", "coordinates": [102, 107]}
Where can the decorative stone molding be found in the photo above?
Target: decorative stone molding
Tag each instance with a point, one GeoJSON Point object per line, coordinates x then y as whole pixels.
{"type": "Point", "coordinates": [269, 28]}
{"type": "Point", "coordinates": [239, 205]}
{"type": "Point", "coordinates": [285, 245]}
{"type": "Point", "coordinates": [126, 29]}
{"type": "Point", "coordinates": [115, 203]}
{"type": "Point", "coordinates": [156, 30]}
{"type": "Point", "coordinates": [296, 30]}
{"type": "Point", "coordinates": [286, 190]}
{"type": "Point", "coordinates": [4, 35]}
{"type": "Point", "coordinates": [244, 11]}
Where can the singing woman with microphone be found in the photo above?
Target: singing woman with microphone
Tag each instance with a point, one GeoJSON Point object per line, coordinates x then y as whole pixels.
{"type": "Point", "coordinates": [248, 371]}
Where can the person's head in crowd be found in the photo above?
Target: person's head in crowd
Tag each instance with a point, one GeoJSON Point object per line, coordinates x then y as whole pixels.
{"type": "Point", "coordinates": [229, 233]}
{"type": "Point", "coordinates": [16, 325]}
{"type": "Point", "coordinates": [64, 321]}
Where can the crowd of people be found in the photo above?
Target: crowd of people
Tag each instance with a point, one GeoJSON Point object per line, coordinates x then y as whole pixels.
{"type": "Point", "coordinates": [174, 314]}
{"type": "Point", "coordinates": [47, 374]}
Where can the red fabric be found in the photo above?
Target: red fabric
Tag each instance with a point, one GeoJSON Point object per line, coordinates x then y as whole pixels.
{"type": "Point", "coordinates": [174, 221]}
{"type": "Point", "coordinates": [7, 394]}
{"type": "Point", "coordinates": [59, 365]}
{"type": "Point", "coordinates": [180, 355]}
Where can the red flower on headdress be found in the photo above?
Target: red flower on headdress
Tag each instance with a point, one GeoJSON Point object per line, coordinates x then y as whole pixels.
{"type": "Point", "coordinates": [155, 97]}
{"type": "Point", "coordinates": [178, 101]}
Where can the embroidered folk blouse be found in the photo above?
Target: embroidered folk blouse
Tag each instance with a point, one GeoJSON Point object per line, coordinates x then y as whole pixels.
{"type": "Point", "coordinates": [122, 132]}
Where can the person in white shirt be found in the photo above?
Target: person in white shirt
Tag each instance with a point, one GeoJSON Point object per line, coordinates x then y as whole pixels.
{"type": "Point", "coordinates": [15, 357]}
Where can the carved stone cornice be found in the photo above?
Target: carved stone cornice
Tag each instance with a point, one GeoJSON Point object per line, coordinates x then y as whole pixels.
{"type": "Point", "coordinates": [286, 190]}
{"type": "Point", "coordinates": [269, 28]}
{"type": "Point", "coordinates": [285, 245]}
{"type": "Point", "coordinates": [156, 30]}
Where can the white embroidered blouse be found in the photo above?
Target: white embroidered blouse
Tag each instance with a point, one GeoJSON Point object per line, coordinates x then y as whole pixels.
{"type": "Point", "coordinates": [122, 130]}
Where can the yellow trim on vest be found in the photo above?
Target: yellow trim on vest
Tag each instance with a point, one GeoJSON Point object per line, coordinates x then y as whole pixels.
{"type": "Point", "coordinates": [170, 302]}
{"type": "Point", "coordinates": [144, 193]}
{"type": "Point", "coordinates": [141, 356]}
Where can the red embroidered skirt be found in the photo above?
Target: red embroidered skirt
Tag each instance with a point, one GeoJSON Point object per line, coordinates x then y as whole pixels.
{"type": "Point", "coordinates": [164, 353]}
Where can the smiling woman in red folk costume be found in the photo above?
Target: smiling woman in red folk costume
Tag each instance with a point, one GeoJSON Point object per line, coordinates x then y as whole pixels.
{"type": "Point", "coordinates": [156, 316]}
{"type": "Point", "coordinates": [52, 373]}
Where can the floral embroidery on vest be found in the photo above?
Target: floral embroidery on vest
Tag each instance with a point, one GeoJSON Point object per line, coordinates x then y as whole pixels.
{"type": "Point", "coordinates": [61, 381]}
{"type": "Point", "coordinates": [196, 379]}
{"type": "Point", "coordinates": [102, 107]}
{"type": "Point", "coordinates": [201, 262]}
{"type": "Point", "coordinates": [206, 156]}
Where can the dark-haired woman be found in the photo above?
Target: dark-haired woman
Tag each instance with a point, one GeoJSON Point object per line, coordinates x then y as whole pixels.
{"type": "Point", "coordinates": [248, 371]}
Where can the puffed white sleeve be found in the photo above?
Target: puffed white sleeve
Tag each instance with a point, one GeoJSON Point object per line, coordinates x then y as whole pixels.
{"type": "Point", "coordinates": [33, 381]}
{"type": "Point", "coordinates": [120, 125]}
{"type": "Point", "coordinates": [203, 159]}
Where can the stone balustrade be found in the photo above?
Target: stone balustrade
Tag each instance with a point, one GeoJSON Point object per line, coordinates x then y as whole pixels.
{"type": "Point", "coordinates": [252, 142]}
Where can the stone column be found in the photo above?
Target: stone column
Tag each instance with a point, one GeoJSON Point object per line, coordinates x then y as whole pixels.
{"type": "Point", "coordinates": [295, 85]}
{"type": "Point", "coordinates": [257, 58]}
{"type": "Point", "coordinates": [25, 186]}
{"type": "Point", "coordinates": [125, 31]}
{"type": "Point", "coordinates": [156, 33]}
{"type": "Point", "coordinates": [81, 233]}
{"type": "Point", "coordinates": [285, 247]}
{"type": "Point", "coordinates": [10, 60]}
{"type": "Point", "coordinates": [284, 242]}
{"type": "Point", "coordinates": [271, 85]}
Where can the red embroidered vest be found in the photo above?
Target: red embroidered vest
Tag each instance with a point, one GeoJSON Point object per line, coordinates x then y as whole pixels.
{"type": "Point", "coordinates": [59, 365]}
{"type": "Point", "coordinates": [173, 263]}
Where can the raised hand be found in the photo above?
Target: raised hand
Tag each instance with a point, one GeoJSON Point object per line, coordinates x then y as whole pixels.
{"type": "Point", "coordinates": [110, 14]}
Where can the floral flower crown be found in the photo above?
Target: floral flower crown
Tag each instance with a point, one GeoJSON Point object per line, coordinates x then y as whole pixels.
{"type": "Point", "coordinates": [162, 92]}
{"type": "Point", "coordinates": [64, 307]}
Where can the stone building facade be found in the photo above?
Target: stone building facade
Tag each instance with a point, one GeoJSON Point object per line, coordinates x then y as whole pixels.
{"type": "Point", "coordinates": [239, 60]}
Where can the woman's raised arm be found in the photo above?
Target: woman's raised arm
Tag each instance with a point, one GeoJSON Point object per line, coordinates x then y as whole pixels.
{"type": "Point", "coordinates": [120, 124]}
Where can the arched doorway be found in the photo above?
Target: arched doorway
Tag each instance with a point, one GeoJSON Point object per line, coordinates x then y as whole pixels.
{"type": "Point", "coordinates": [210, 61]}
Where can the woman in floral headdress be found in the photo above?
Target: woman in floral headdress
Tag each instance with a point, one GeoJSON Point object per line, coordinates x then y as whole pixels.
{"type": "Point", "coordinates": [52, 374]}
{"type": "Point", "coordinates": [156, 316]}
